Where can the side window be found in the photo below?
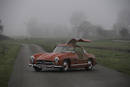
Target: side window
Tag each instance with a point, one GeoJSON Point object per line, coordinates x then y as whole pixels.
{"type": "Point", "coordinates": [79, 52]}
{"type": "Point", "coordinates": [69, 49]}
{"type": "Point", "coordinates": [84, 51]}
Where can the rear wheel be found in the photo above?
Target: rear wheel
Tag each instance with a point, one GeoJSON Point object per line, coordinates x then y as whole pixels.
{"type": "Point", "coordinates": [90, 67]}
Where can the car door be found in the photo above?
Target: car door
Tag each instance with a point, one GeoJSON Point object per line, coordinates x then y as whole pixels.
{"type": "Point", "coordinates": [74, 60]}
{"type": "Point", "coordinates": [81, 58]}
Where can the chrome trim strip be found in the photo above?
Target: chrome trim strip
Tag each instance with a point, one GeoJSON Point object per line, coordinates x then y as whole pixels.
{"type": "Point", "coordinates": [79, 64]}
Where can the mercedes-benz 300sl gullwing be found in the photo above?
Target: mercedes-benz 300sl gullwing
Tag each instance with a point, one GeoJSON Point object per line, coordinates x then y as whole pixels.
{"type": "Point", "coordinates": [64, 57]}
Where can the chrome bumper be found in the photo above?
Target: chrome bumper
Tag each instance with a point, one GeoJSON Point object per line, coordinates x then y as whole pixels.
{"type": "Point", "coordinates": [44, 66]}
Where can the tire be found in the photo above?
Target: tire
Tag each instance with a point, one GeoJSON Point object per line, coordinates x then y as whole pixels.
{"type": "Point", "coordinates": [90, 67]}
{"type": "Point", "coordinates": [66, 66]}
{"type": "Point", "coordinates": [37, 69]}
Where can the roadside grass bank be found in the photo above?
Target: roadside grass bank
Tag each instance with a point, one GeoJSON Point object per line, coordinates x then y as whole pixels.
{"type": "Point", "coordinates": [110, 48]}
{"type": "Point", "coordinates": [8, 53]}
{"type": "Point", "coordinates": [109, 44]}
{"type": "Point", "coordinates": [119, 61]}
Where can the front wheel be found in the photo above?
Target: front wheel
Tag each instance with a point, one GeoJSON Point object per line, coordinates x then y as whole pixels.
{"type": "Point", "coordinates": [65, 66]}
{"type": "Point", "coordinates": [37, 69]}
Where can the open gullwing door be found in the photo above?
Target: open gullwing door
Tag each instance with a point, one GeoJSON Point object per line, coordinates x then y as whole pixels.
{"type": "Point", "coordinates": [74, 41]}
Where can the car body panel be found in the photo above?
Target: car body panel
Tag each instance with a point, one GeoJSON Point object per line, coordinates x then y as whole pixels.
{"type": "Point", "coordinates": [77, 59]}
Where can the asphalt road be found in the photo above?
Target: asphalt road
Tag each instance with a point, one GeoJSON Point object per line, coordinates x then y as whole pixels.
{"type": "Point", "coordinates": [24, 76]}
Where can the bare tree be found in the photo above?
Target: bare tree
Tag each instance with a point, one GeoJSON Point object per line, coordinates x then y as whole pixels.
{"type": "Point", "coordinates": [1, 27]}
{"type": "Point", "coordinates": [82, 28]}
{"type": "Point", "coordinates": [76, 20]}
{"type": "Point", "coordinates": [124, 33]}
{"type": "Point", "coordinates": [122, 27]}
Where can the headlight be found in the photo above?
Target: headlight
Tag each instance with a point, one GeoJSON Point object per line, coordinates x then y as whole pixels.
{"type": "Point", "coordinates": [56, 59]}
{"type": "Point", "coordinates": [32, 59]}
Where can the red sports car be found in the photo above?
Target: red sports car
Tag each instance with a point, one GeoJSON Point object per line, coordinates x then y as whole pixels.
{"type": "Point", "coordinates": [64, 57]}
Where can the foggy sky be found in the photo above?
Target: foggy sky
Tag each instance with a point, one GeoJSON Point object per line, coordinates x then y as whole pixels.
{"type": "Point", "coordinates": [16, 13]}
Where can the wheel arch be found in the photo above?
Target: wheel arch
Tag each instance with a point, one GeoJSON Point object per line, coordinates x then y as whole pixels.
{"type": "Point", "coordinates": [93, 60]}
{"type": "Point", "coordinates": [68, 60]}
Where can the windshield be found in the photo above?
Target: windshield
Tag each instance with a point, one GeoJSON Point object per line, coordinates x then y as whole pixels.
{"type": "Point", "coordinates": [60, 49]}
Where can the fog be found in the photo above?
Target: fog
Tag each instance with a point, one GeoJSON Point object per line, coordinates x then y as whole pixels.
{"type": "Point", "coordinates": [18, 16]}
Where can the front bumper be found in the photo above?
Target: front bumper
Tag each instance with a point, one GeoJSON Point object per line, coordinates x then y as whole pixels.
{"type": "Point", "coordinates": [44, 66]}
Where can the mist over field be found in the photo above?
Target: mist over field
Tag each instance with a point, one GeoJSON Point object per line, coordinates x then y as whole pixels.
{"type": "Point", "coordinates": [31, 31]}
{"type": "Point", "coordinates": [66, 18]}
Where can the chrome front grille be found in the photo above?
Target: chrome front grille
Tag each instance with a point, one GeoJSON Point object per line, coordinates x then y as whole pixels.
{"type": "Point", "coordinates": [39, 62]}
{"type": "Point", "coordinates": [45, 62]}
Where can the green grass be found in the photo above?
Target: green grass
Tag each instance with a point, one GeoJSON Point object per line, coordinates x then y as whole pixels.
{"type": "Point", "coordinates": [108, 44]}
{"type": "Point", "coordinates": [8, 53]}
{"type": "Point", "coordinates": [119, 61]}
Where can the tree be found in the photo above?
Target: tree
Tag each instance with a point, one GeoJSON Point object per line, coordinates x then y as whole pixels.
{"type": "Point", "coordinates": [101, 31]}
{"type": "Point", "coordinates": [123, 21]}
{"type": "Point", "coordinates": [2, 36]}
{"type": "Point", "coordinates": [1, 27]}
{"type": "Point", "coordinates": [82, 28]}
{"type": "Point", "coordinates": [76, 20]}
{"type": "Point", "coordinates": [124, 33]}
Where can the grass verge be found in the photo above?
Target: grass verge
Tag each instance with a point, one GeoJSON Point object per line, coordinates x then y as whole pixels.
{"type": "Point", "coordinates": [8, 53]}
{"type": "Point", "coordinates": [119, 61]}
{"type": "Point", "coordinates": [110, 44]}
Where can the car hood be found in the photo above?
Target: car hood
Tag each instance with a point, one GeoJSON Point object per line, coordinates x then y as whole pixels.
{"type": "Point", "coordinates": [51, 56]}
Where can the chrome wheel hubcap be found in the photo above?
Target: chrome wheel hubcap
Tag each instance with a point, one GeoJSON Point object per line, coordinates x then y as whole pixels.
{"type": "Point", "coordinates": [66, 66]}
{"type": "Point", "coordinates": [90, 64]}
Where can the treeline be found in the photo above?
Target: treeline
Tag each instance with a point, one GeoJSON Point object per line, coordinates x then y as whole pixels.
{"type": "Point", "coordinates": [80, 27]}
{"type": "Point", "coordinates": [38, 29]}
{"type": "Point", "coordinates": [84, 29]}
{"type": "Point", "coordinates": [2, 37]}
